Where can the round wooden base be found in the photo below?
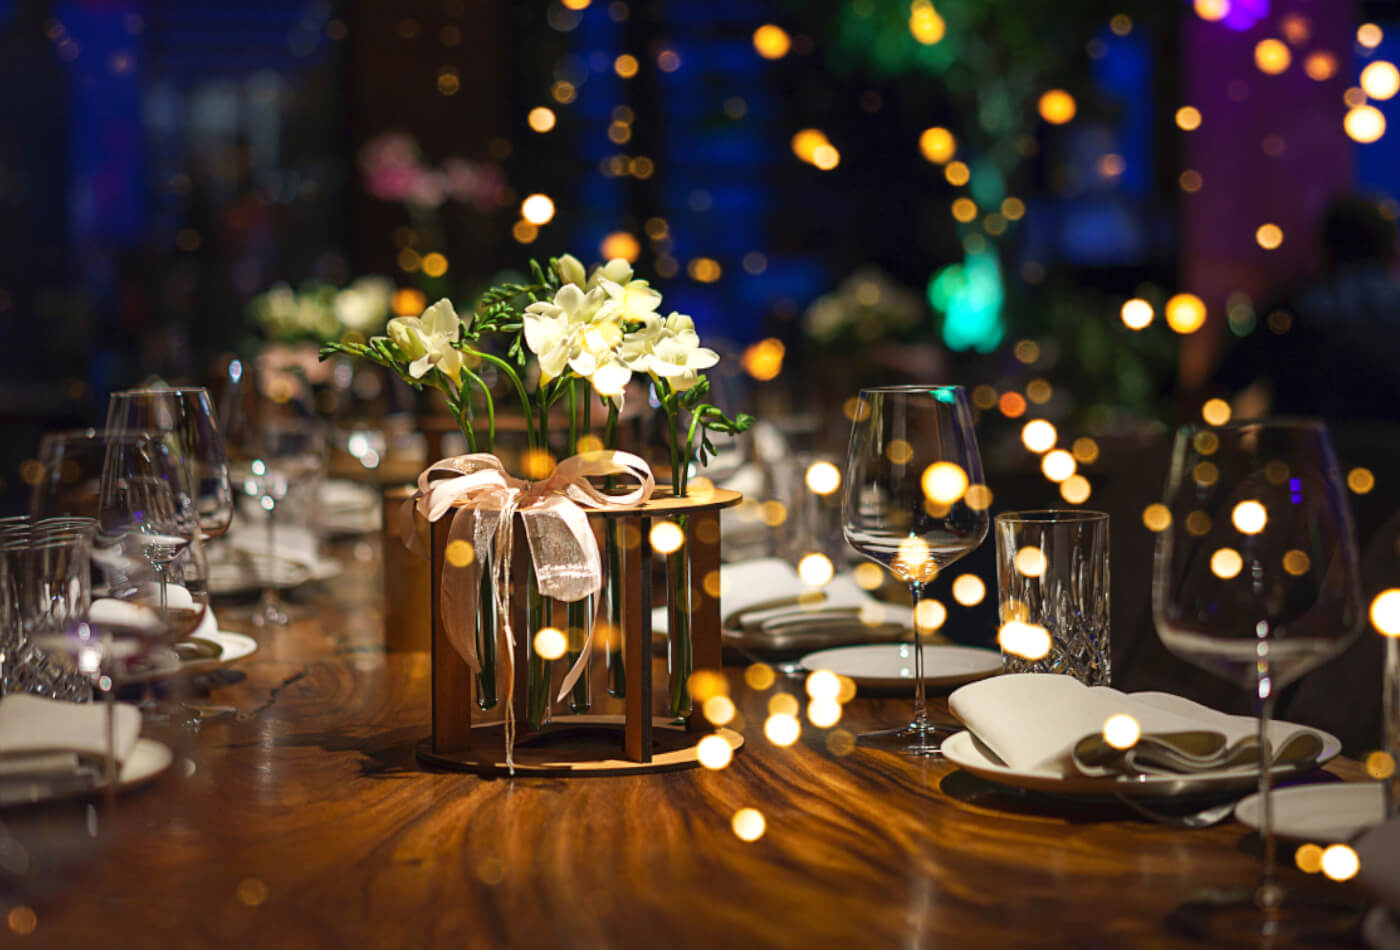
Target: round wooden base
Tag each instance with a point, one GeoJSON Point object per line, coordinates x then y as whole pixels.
{"type": "Point", "coordinates": [572, 746]}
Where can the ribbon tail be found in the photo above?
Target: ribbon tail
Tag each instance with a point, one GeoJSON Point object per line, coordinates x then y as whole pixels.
{"type": "Point", "coordinates": [459, 584]}
{"type": "Point", "coordinates": [408, 528]}
{"type": "Point", "coordinates": [502, 552]}
{"type": "Point", "coordinates": [580, 665]}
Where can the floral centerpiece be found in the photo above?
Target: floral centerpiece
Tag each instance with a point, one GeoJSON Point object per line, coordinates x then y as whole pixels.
{"type": "Point", "coordinates": [319, 312]}
{"type": "Point", "coordinates": [572, 338]}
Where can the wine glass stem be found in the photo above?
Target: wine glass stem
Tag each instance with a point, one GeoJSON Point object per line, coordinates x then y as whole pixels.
{"type": "Point", "coordinates": [1267, 894]}
{"type": "Point", "coordinates": [920, 712]}
{"type": "Point", "coordinates": [271, 601]}
{"type": "Point", "coordinates": [109, 701]}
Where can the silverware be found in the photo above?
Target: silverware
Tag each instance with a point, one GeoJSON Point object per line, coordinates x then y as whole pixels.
{"type": "Point", "coordinates": [1204, 818]}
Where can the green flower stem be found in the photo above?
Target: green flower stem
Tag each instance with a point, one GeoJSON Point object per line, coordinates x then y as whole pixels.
{"type": "Point", "coordinates": [679, 658]}
{"type": "Point", "coordinates": [486, 639]}
{"type": "Point", "coordinates": [573, 417]}
{"type": "Point", "coordinates": [490, 411]}
{"type": "Point", "coordinates": [530, 434]}
{"type": "Point", "coordinates": [580, 619]}
{"type": "Point", "coordinates": [537, 617]}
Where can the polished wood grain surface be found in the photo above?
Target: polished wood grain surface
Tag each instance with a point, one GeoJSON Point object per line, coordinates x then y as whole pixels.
{"type": "Point", "coordinates": [301, 819]}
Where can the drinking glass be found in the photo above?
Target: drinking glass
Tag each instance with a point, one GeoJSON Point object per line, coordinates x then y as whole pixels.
{"type": "Point", "coordinates": [915, 502]}
{"type": "Point", "coordinates": [1053, 576]}
{"type": "Point", "coordinates": [285, 461]}
{"type": "Point", "coordinates": [189, 414]}
{"type": "Point", "coordinates": [1256, 580]}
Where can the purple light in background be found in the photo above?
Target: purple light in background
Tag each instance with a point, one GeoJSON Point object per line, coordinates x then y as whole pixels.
{"type": "Point", "coordinates": [1240, 15]}
{"type": "Point", "coordinates": [1245, 13]}
{"type": "Point", "coordinates": [1295, 490]}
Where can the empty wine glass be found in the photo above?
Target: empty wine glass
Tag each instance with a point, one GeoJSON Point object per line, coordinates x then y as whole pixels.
{"type": "Point", "coordinates": [915, 502]}
{"type": "Point", "coordinates": [1256, 580]}
{"type": "Point", "coordinates": [189, 414]}
{"type": "Point", "coordinates": [284, 458]}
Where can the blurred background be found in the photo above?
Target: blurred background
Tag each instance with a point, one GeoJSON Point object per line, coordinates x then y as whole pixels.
{"type": "Point", "coordinates": [1113, 217]}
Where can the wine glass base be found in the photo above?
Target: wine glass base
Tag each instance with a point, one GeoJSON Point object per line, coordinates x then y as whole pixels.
{"type": "Point", "coordinates": [921, 739]}
{"type": "Point", "coordinates": [1223, 918]}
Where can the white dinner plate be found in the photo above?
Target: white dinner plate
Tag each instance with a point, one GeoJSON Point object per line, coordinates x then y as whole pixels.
{"type": "Point", "coordinates": [963, 751]}
{"type": "Point", "coordinates": [1323, 814]}
{"type": "Point", "coordinates": [148, 759]}
{"type": "Point", "coordinates": [891, 665]}
{"type": "Point", "coordinates": [233, 647]}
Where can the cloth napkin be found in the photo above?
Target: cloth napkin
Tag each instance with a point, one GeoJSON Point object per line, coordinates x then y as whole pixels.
{"type": "Point", "coordinates": [765, 590]}
{"type": "Point", "coordinates": [49, 747]}
{"type": "Point", "coordinates": [1048, 722]}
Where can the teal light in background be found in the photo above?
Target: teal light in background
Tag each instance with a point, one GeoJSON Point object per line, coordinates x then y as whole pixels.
{"type": "Point", "coordinates": [969, 297]}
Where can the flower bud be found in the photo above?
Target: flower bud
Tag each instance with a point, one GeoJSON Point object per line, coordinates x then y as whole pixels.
{"type": "Point", "coordinates": [571, 271]}
{"type": "Point", "coordinates": [618, 271]}
{"type": "Point", "coordinates": [406, 337]}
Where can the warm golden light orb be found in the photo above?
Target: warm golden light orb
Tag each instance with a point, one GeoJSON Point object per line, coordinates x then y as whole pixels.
{"type": "Point", "coordinates": [620, 244]}
{"type": "Point", "coordinates": [1188, 118]}
{"type": "Point", "coordinates": [537, 209]}
{"type": "Point", "coordinates": [1028, 641]}
{"type": "Point", "coordinates": [944, 483]}
{"type": "Point", "coordinates": [749, 824]}
{"type": "Point", "coordinates": [815, 570]}
{"type": "Point", "coordinates": [771, 41]}
{"type": "Point", "coordinates": [550, 643]}
{"type": "Point", "coordinates": [1369, 35]}
{"type": "Point", "coordinates": [1249, 517]}
{"type": "Point", "coordinates": [1272, 56]}
{"type": "Point", "coordinates": [1380, 79]}
{"type": "Point", "coordinates": [969, 590]}
{"type": "Point", "coordinates": [1057, 106]}
{"type": "Point", "coordinates": [1039, 435]}
{"type": "Point", "coordinates": [1364, 124]}
{"type": "Point", "coordinates": [1226, 563]}
{"type": "Point", "coordinates": [1121, 731]}
{"type": "Point", "coordinates": [1269, 236]}
{"type": "Point", "coordinates": [938, 145]}
{"type": "Point", "coordinates": [1216, 412]}
{"type": "Point", "coordinates": [1340, 863]}
{"type": "Point", "coordinates": [1030, 561]}
{"type": "Point", "coordinates": [541, 119]}
{"type": "Point", "coordinates": [1186, 313]}
{"type": "Point", "coordinates": [1320, 66]}
{"type": "Point", "coordinates": [1137, 314]}
{"type": "Point", "coordinates": [1157, 517]}
{"type": "Point", "coordinates": [1075, 489]}
{"type": "Point", "coordinates": [667, 537]}
{"type": "Point", "coordinates": [1058, 465]}
{"type": "Point", "coordinates": [1212, 10]}
{"type": "Point", "coordinates": [1385, 612]}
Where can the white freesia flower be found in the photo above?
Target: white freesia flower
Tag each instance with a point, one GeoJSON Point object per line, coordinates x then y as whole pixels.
{"type": "Point", "coordinates": [617, 270]}
{"type": "Point", "coordinates": [669, 349]}
{"type": "Point", "coordinates": [571, 271]}
{"type": "Point", "coordinates": [363, 305]}
{"type": "Point", "coordinates": [427, 340]}
{"type": "Point", "coordinates": [555, 331]}
{"type": "Point", "coordinates": [633, 301]}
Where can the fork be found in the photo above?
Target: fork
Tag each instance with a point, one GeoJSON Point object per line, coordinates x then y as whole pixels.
{"type": "Point", "coordinates": [1205, 818]}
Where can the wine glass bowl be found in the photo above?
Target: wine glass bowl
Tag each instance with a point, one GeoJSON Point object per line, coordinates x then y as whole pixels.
{"type": "Point", "coordinates": [915, 502]}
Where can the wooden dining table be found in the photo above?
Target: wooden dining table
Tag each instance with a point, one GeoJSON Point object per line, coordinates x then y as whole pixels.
{"type": "Point", "coordinates": [295, 814]}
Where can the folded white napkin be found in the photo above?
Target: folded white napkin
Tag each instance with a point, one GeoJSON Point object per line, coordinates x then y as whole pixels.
{"type": "Point", "coordinates": [47, 745]}
{"type": "Point", "coordinates": [766, 590]}
{"type": "Point", "coordinates": [1048, 722]}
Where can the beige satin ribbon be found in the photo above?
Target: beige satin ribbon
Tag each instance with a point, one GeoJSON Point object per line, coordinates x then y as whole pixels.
{"type": "Point", "coordinates": [563, 550]}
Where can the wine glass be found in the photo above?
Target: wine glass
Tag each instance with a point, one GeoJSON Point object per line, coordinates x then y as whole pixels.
{"type": "Point", "coordinates": [286, 459]}
{"type": "Point", "coordinates": [915, 502]}
{"type": "Point", "coordinates": [189, 414]}
{"type": "Point", "coordinates": [1256, 580]}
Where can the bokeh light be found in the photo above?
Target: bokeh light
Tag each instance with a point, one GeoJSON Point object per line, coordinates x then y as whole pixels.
{"type": "Point", "coordinates": [1188, 118]}
{"type": "Point", "coordinates": [931, 614]}
{"type": "Point", "coordinates": [1216, 412]}
{"type": "Point", "coordinates": [537, 209]}
{"type": "Point", "coordinates": [1137, 314]}
{"type": "Point", "coordinates": [1364, 124]}
{"type": "Point", "coordinates": [782, 729]}
{"type": "Point", "coordinates": [1212, 10]}
{"type": "Point", "coordinates": [771, 41]}
{"type": "Point", "coordinates": [824, 713]}
{"type": "Point", "coordinates": [541, 119]}
{"type": "Point", "coordinates": [1026, 640]}
{"type": "Point", "coordinates": [938, 145]}
{"type": "Point", "coordinates": [550, 643]}
{"type": "Point", "coordinates": [1360, 480]}
{"type": "Point", "coordinates": [1030, 561]}
{"type": "Point", "coordinates": [1380, 79]}
{"type": "Point", "coordinates": [969, 590]}
{"type": "Point", "coordinates": [620, 244]}
{"type": "Point", "coordinates": [748, 824]}
{"type": "Point", "coordinates": [1296, 562]}
{"type": "Point", "coordinates": [868, 576]}
{"type": "Point", "coordinates": [719, 710]}
{"type": "Point", "coordinates": [1249, 517]}
{"type": "Point", "coordinates": [759, 676]}
{"type": "Point", "coordinates": [823, 684]}
{"type": "Point", "coordinates": [1272, 56]}
{"type": "Point", "coordinates": [1075, 489]}
{"type": "Point", "coordinates": [764, 360]}
{"type": "Point", "coordinates": [1320, 65]}
{"type": "Point", "coordinates": [667, 537]}
{"type": "Point", "coordinates": [1121, 731]}
{"type": "Point", "coordinates": [1039, 435]}
{"type": "Point", "coordinates": [823, 478]}
{"type": "Point", "coordinates": [815, 569]}
{"type": "Point", "coordinates": [1385, 612]}
{"type": "Point", "coordinates": [1186, 313]}
{"type": "Point", "coordinates": [945, 483]}
{"type": "Point", "coordinates": [1057, 106]}
{"type": "Point", "coordinates": [1269, 236]}
{"type": "Point", "coordinates": [1226, 563]}
{"type": "Point", "coordinates": [1340, 862]}
{"type": "Point", "coordinates": [1308, 857]}
{"type": "Point", "coordinates": [1369, 35]}
{"type": "Point", "coordinates": [714, 752]}
{"type": "Point", "coordinates": [1058, 465]}
{"type": "Point", "coordinates": [1157, 517]}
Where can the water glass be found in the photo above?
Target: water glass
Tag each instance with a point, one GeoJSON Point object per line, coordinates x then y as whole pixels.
{"type": "Point", "coordinates": [1052, 593]}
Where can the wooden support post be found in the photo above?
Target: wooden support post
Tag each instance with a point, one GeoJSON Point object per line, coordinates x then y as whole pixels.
{"type": "Point", "coordinates": [452, 679]}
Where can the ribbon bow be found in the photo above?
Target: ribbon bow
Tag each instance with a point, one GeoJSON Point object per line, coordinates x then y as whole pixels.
{"type": "Point", "coordinates": [562, 546]}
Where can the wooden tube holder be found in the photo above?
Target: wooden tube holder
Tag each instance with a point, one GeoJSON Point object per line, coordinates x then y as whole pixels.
{"type": "Point", "coordinates": [573, 745]}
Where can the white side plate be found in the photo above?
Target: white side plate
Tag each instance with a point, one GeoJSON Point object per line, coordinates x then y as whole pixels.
{"type": "Point", "coordinates": [1323, 814]}
{"type": "Point", "coordinates": [891, 665]}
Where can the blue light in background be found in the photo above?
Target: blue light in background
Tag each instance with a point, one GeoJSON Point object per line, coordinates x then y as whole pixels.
{"type": "Point", "coordinates": [1378, 164]}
